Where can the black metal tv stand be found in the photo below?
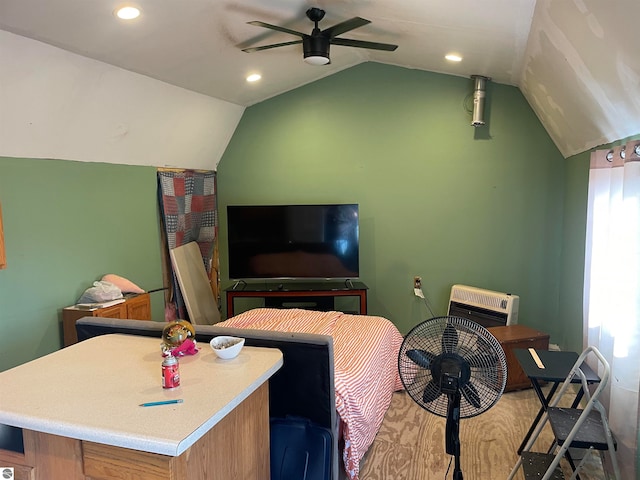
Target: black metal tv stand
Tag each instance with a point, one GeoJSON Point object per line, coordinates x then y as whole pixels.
{"type": "Point", "coordinates": [292, 294]}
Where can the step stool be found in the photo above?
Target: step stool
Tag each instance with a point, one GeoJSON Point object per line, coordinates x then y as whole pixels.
{"type": "Point", "coordinates": [572, 428]}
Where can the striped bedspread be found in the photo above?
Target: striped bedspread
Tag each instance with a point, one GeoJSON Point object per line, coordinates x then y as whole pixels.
{"type": "Point", "coordinates": [366, 367]}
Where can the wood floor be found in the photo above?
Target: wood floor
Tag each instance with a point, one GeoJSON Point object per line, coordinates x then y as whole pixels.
{"type": "Point", "coordinates": [410, 444]}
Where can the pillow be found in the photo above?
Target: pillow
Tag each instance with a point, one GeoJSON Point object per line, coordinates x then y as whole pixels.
{"type": "Point", "coordinates": [122, 283]}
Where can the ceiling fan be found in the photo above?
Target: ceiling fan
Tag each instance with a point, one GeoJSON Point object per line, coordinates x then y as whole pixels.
{"type": "Point", "coordinates": [316, 45]}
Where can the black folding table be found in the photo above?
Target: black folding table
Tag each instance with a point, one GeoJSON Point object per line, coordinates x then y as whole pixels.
{"type": "Point", "coordinates": [557, 365]}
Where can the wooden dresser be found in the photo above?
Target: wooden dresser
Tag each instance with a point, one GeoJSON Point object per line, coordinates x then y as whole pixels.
{"type": "Point", "coordinates": [518, 336]}
{"type": "Point", "coordinates": [136, 307]}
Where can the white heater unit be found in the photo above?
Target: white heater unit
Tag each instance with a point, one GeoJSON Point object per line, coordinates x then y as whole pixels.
{"type": "Point", "coordinates": [486, 307]}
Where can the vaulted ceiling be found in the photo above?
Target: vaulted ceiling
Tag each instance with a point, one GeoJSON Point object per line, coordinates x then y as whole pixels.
{"type": "Point", "coordinates": [576, 61]}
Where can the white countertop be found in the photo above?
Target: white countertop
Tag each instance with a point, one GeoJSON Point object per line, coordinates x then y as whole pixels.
{"type": "Point", "coordinates": [92, 390]}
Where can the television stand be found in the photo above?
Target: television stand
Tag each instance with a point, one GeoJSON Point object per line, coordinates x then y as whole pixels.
{"type": "Point", "coordinates": [309, 295]}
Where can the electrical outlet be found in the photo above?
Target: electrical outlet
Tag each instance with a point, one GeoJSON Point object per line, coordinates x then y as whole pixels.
{"type": "Point", "coordinates": [417, 282]}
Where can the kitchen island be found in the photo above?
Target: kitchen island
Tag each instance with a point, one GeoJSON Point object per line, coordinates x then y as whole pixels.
{"type": "Point", "coordinates": [80, 412]}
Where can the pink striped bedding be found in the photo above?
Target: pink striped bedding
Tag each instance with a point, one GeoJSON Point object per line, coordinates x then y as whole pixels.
{"type": "Point", "coordinates": [366, 367]}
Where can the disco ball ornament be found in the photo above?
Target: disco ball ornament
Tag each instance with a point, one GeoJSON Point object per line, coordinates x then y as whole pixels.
{"type": "Point", "coordinates": [178, 338]}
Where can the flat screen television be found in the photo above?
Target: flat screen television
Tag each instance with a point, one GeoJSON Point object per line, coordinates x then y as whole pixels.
{"type": "Point", "coordinates": [293, 241]}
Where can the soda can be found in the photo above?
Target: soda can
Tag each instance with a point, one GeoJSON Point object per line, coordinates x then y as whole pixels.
{"type": "Point", "coordinates": [170, 372]}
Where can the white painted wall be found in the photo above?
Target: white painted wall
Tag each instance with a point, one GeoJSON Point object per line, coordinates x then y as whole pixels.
{"type": "Point", "coordinates": [582, 73]}
{"type": "Point", "coordinates": [56, 104]}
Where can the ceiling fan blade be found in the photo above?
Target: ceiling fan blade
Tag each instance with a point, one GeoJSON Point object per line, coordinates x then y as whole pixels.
{"type": "Point", "coordinates": [422, 358]}
{"type": "Point", "coordinates": [449, 338]}
{"type": "Point", "coordinates": [266, 47]}
{"type": "Point", "coordinates": [344, 27]}
{"type": "Point", "coordinates": [470, 393]}
{"type": "Point", "coordinates": [362, 44]}
{"type": "Point", "coordinates": [431, 392]}
{"type": "Point", "coordinates": [276, 27]}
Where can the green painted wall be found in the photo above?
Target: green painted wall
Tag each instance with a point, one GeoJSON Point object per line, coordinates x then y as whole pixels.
{"type": "Point", "coordinates": [573, 246]}
{"type": "Point", "coordinates": [65, 225]}
{"type": "Point", "coordinates": [496, 207]}
{"type": "Point", "coordinates": [573, 250]}
{"type": "Point", "coordinates": [437, 197]}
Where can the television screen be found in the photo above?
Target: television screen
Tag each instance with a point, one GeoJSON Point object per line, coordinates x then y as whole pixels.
{"type": "Point", "coordinates": [293, 241]}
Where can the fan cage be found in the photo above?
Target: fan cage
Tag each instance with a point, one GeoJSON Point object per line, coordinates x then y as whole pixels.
{"type": "Point", "coordinates": [475, 345]}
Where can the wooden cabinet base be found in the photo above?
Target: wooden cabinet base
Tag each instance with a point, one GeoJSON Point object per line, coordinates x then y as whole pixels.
{"type": "Point", "coordinates": [137, 307]}
{"type": "Point", "coordinates": [518, 336]}
{"type": "Point", "coordinates": [235, 448]}
{"type": "Point", "coordinates": [21, 471]}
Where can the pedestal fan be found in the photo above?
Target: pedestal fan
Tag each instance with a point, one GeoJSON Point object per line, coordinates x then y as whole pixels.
{"type": "Point", "coordinates": [454, 368]}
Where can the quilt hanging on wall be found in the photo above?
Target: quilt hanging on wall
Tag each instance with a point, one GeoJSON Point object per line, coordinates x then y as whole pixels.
{"type": "Point", "coordinates": [188, 211]}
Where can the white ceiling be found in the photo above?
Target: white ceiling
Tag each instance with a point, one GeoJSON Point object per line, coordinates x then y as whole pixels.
{"type": "Point", "coordinates": [576, 61]}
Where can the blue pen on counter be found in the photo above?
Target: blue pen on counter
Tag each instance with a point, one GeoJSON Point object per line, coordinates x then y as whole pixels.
{"type": "Point", "coordinates": [163, 402]}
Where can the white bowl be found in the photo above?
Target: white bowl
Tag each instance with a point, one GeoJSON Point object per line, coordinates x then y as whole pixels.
{"type": "Point", "coordinates": [227, 347]}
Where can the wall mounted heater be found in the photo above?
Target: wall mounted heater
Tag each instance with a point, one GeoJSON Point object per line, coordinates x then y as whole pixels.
{"type": "Point", "coordinates": [486, 307]}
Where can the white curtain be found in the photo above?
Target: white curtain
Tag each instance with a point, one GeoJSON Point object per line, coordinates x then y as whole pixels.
{"type": "Point", "coordinates": [612, 287]}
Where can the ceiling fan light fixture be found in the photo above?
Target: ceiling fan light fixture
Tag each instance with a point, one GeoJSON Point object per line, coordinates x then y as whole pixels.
{"type": "Point", "coordinates": [316, 59]}
{"type": "Point", "coordinates": [127, 12]}
{"type": "Point", "coordinates": [316, 50]}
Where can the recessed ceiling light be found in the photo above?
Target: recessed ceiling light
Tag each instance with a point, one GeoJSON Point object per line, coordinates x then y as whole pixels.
{"type": "Point", "coordinates": [254, 77]}
{"type": "Point", "coordinates": [453, 57]}
{"type": "Point", "coordinates": [128, 12]}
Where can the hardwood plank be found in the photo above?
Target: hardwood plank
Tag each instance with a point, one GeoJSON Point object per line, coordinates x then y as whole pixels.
{"type": "Point", "coordinates": [57, 457]}
{"type": "Point", "coordinates": [22, 470]}
{"type": "Point", "coordinates": [195, 285]}
{"type": "Point", "coordinates": [10, 458]}
{"type": "Point", "coordinates": [238, 445]}
{"type": "Point", "coordinates": [104, 462]}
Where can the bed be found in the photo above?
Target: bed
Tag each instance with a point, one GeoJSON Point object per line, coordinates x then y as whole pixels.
{"type": "Point", "coordinates": [365, 360]}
